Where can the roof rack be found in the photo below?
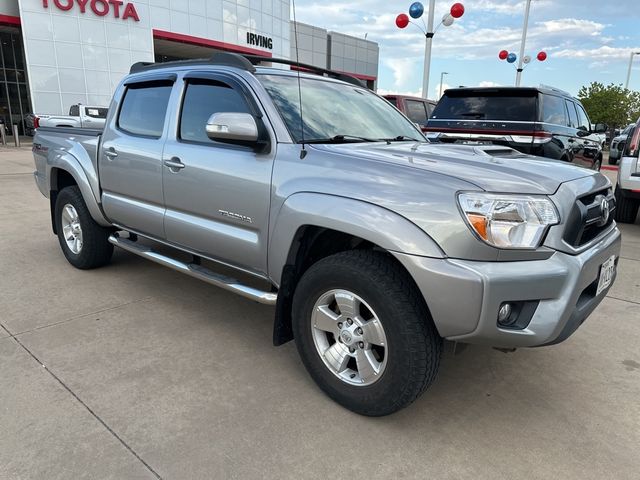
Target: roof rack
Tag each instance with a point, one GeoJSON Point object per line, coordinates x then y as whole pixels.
{"type": "Point", "coordinates": [219, 58]}
{"type": "Point", "coordinates": [245, 62]}
{"type": "Point", "coordinates": [311, 68]}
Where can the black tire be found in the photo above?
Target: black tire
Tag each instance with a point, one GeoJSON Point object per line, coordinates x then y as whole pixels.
{"type": "Point", "coordinates": [412, 340]}
{"type": "Point", "coordinates": [626, 208]}
{"type": "Point", "coordinates": [96, 250]}
{"type": "Point", "coordinates": [613, 161]}
{"type": "Point", "coordinates": [597, 164]}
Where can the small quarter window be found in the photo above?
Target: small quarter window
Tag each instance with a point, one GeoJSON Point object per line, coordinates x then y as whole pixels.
{"type": "Point", "coordinates": [144, 108]}
{"type": "Point", "coordinates": [202, 99]}
{"type": "Point", "coordinates": [74, 111]}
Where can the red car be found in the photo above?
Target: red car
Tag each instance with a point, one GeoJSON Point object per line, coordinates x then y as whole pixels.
{"type": "Point", "coordinates": [416, 108]}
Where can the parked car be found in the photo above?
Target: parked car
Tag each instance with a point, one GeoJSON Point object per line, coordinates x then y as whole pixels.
{"type": "Point", "coordinates": [372, 243]}
{"type": "Point", "coordinates": [417, 109]}
{"type": "Point", "coordinates": [628, 184]}
{"type": "Point", "coordinates": [618, 144]}
{"type": "Point", "coordinates": [82, 116]}
{"type": "Point", "coordinates": [538, 121]}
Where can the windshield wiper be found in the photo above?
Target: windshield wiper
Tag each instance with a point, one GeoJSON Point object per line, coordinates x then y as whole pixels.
{"type": "Point", "coordinates": [400, 138]}
{"type": "Point", "coordinates": [340, 139]}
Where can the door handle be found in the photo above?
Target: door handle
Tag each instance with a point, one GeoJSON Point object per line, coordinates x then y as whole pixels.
{"type": "Point", "coordinates": [174, 164]}
{"type": "Point", "coordinates": [111, 153]}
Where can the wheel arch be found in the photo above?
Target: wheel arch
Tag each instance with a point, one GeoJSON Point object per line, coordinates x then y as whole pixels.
{"type": "Point", "coordinates": [298, 244]}
{"type": "Point", "coordinates": [64, 171]}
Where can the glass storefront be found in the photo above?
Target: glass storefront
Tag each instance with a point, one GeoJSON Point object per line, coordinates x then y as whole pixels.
{"type": "Point", "coordinates": [15, 104]}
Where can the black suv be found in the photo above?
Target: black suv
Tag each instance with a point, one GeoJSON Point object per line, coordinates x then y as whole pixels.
{"type": "Point", "coordinates": [537, 121]}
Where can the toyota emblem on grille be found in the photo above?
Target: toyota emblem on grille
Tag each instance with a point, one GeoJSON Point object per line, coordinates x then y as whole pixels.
{"type": "Point", "coordinates": [604, 212]}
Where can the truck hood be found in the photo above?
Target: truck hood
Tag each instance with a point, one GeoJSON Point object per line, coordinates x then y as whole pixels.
{"type": "Point", "coordinates": [491, 168]}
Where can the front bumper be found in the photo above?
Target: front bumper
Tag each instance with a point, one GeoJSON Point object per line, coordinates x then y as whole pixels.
{"type": "Point", "coordinates": [464, 296]}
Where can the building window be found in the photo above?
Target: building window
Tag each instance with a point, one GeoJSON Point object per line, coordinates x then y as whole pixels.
{"type": "Point", "coordinates": [15, 104]}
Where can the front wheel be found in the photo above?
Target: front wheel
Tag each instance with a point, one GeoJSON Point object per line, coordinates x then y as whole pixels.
{"type": "Point", "coordinates": [364, 332]}
{"type": "Point", "coordinates": [84, 243]}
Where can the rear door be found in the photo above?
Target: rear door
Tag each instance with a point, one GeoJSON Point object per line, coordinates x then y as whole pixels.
{"type": "Point", "coordinates": [131, 156]}
{"type": "Point", "coordinates": [217, 200]}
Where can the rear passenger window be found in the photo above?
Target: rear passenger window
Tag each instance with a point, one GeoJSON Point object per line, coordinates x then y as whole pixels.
{"type": "Point", "coordinates": [144, 108]}
{"type": "Point", "coordinates": [202, 99]}
{"type": "Point", "coordinates": [553, 110]}
{"type": "Point", "coordinates": [416, 111]}
{"type": "Point", "coordinates": [573, 116]}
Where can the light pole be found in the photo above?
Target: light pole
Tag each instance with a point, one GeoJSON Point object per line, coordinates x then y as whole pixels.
{"type": "Point", "coordinates": [441, 80]}
{"type": "Point", "coordinates": [626, 85]}
{"type": "Point", "coordinates": [415, 11]}
{"type": "Point", "coordinates": [527, 7]}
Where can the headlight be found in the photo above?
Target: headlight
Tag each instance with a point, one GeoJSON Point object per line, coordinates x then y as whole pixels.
{"type": "Point", "coordinates": [508, 221]}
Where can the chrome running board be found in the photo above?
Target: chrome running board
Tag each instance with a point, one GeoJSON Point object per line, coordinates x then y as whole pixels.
{"type": "Point", "coordinates": [196, 271]}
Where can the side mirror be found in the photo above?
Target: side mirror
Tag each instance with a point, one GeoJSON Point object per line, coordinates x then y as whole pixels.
{"type": "Point", "coordinates": [600, 128]}
{"type": "Point", "coordinates": [582, 133]}
{"type": "Point", "coordinates": [236, 128]}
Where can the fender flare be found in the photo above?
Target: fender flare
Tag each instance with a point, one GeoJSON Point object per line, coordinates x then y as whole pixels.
{"type": "Point", "coordinates": [378, 225]}
{"type": "Point", "coordinates": [68, 163]}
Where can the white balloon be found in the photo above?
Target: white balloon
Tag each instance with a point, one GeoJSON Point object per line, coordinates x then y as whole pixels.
{"type": "Point", "coordinates": [526, 59]}
{"type": "Point", "coordinates": [447, 20]}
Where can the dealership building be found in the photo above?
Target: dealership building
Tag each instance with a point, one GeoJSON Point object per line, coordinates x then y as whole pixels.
{"type": "Point", "coordinates": [56, 53]}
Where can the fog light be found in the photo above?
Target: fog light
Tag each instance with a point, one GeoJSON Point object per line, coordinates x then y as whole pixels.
{"type": "Point", "coordinates": [504, 314]}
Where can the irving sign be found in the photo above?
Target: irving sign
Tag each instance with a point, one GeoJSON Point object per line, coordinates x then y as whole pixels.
{"type": "Point", "coordinates": [102, 8]}
{"type": "Point", "coordinates": [259, 41]}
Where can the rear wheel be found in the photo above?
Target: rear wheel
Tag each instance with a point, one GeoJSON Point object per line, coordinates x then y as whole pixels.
{"type": "Point", "coordinates": [626, 208]}
{"type": "Point", "coordinates": [364, 333]}
{"type": "Point", "coordinates": [84, 243]}
{"type": "Point", "coordinates": [612, 161]}
{"type": "Point", "coordinates": [597, 164]}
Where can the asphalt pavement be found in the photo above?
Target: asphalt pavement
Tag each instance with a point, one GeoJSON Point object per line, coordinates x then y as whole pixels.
{"type": "Point", "coordinates": [135, 371]}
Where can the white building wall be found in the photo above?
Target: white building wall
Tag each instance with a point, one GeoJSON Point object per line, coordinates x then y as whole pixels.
{"type": "Point", "coordinates": [74, 57]}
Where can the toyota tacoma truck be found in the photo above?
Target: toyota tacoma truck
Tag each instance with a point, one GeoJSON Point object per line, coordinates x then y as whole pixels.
{"type": "Point", "coordinates": [310, 193]}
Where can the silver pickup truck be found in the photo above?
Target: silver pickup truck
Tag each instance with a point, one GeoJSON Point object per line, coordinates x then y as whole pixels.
{"type": "Point", "coordinates": [372, 244]}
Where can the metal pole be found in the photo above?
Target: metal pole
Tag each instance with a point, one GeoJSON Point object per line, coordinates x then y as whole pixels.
{"type": "Point", "coordinates": [16, 137]}
{"type": "Point", "coordinates": [3, 134]}
{"type": "Point", "coordinates": [522, 43]}
{"type": "Point", "coordinates": [626, 85]}
{"type": "Point", "coordinates": [441, 80]}
{"type": "Point", "coordinates": [427, 49]}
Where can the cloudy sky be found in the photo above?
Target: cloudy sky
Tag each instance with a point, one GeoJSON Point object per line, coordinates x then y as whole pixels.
{"type": "Point", "coordinates": [586, 40]}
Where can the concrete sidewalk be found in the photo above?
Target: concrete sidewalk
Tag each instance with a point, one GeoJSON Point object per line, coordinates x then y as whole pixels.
{"type": "Point", "coordinates": [136, 371]}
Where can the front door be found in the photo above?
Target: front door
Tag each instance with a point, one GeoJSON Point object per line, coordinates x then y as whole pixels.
{"type": "Point", "coordinates": [131, 158]}
{"type": "Point", "coordinates": [216, 195]}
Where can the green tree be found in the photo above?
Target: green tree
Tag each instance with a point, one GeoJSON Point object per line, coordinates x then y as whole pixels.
{"type": "Point", "coordinates": [612, 104]}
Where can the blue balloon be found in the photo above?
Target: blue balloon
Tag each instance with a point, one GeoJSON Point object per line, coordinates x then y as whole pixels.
{"type": "Point", "coordinates": [416, 10]}
{"type": "Point", "coordinates": [512, 57]}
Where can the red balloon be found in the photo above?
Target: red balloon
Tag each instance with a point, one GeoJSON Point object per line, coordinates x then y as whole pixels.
{"type": "Point", "coordinates": [542, 56]}
{"type": "Point", "coordinates": [402, 21]}
{"type": "Point", "coordinates": [503, 55]}
{"type": "Point", "coordinates": [457, 10]}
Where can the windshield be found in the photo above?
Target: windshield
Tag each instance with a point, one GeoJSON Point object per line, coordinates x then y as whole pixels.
{"type": "Point", "coordinates": [487, 105]}
{"type": "Point", "coordinates": [336, 112]}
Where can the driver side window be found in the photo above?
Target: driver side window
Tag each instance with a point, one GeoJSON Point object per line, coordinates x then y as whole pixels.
{"type": "Point", "coordinates": [202, 99]}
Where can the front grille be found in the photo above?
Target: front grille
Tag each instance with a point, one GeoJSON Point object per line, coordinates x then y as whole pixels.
{"type": "Point", "coordinates": [586, 221]}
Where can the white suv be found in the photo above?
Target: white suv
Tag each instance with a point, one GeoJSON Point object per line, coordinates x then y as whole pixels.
{"type": "Point", "coordinates": [628, 185]}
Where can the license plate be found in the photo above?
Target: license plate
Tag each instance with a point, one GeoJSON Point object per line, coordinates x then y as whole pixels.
{"type": "Point", "coordinates": [607, 270]}
{"type": "Point", "coordinates": [473, 142]}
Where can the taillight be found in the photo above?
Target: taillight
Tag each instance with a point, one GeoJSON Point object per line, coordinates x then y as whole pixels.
{"type": "Point", "coordinates": [36, 122]}
{"type": "Point", "coordinates": [542, 136]}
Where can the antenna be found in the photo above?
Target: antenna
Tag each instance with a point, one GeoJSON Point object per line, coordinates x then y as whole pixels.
{"type": "Point", "coordinates": [303, 152]}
